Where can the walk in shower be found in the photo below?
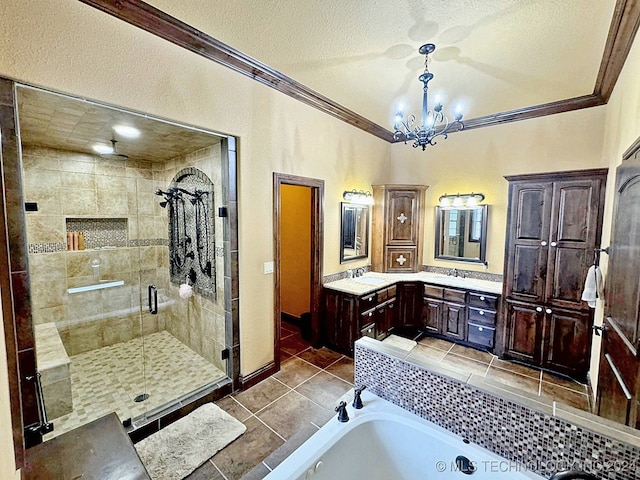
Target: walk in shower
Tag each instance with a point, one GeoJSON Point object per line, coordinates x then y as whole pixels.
{"type": "Point", "coordinates": [126, 259]}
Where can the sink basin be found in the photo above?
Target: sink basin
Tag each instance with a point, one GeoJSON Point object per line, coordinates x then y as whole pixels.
{"type": "Point", "coordinates": [370, 280]}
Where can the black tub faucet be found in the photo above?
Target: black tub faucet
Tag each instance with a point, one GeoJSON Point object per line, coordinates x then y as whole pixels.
{"type": "Point", "coordinates": [342, 412]}
{"type": "Point", "coordinates": [573, 475]}
{"type": "Point", "coordinates": [357, 401]}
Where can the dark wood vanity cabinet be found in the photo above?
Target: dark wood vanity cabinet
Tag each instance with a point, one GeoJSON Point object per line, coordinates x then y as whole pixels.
{"type": "Point", "coordinates": [348, 317]}
{"type": "Point", "coordinates": [397, 228]}
{"type": "Point", "coordinates": [553, 228]}
{"type": "Point", "coordinates": [460, 316]}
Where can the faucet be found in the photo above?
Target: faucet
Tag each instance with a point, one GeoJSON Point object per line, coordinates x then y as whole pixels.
{"type": "Point", "coordinates": [359, 272]}
{"type": "Point", "coordinates": [342, 412]}
{"type": "Point", "coordinates": [357, 401]}
{"type": "Point", "coordinates": [573, 475]}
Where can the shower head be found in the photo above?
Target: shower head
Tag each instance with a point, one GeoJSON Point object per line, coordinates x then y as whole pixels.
{"type": "Point", "coordinates": [163, 204]}
{"type": "Point", "coordinates": [114, 153]}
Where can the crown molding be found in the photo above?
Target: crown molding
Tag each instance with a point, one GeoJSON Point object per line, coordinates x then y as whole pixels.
{"type": "Point", "coordinates": [624, 26]}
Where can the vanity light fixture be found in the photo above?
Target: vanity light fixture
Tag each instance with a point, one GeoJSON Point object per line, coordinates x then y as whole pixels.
{"type": "Point", "coordinates": [461, 200]}
{"type": "Point", "coordinates": [358, 196]}
{"type": "Point", "coordinates": [434, 123]}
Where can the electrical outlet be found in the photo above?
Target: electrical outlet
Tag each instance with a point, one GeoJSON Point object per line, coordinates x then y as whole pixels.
{"type": "Point", "coordinates": [268, 267]}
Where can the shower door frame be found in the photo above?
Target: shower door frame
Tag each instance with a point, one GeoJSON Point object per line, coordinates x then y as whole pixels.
{"type": "Point", "coordinates": [15, 292]}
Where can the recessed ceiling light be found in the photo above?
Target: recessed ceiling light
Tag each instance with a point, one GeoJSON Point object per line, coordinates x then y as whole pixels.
{"type": "Point", "coordinates": [127, 131]}
{"type": "Point", "coordinates": [102, 149]}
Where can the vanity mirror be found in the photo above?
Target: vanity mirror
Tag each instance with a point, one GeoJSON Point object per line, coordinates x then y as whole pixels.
{"type": "Point", "coordinates": [461, 233]}
{"type": "Point", "coordinates": [354, 232]}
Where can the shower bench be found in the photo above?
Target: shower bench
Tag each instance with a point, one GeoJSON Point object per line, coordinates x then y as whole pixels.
{"type": "Point", "coordinates": [54, 367]}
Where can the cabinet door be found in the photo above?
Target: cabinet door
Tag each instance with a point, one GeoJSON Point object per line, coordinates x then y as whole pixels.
{"type": "Point", "coordinates": [575, 216]}
{"type": "Point", "coordinates": [453, 320]}
{"type": "Point", "coordinates": [410, 304]}
{"type": "Point", "coordinates": [390, 316]}
{"type": "Point", "coordinates": [524, 325]}
{"type": "Point", "coordinates": [340, 321]}
{"type": "Point", "coordinates": [432, 315]}
{"type": "Point", "coordinates": [569, 345]}
{"type": "Point", "coordinates": [527, 247]}
{"type": "Point", "coordinates": [402, 215]}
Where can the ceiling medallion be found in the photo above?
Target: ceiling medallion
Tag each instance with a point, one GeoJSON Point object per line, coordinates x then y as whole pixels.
{"type": "Point", "coordinates": [434, 122]}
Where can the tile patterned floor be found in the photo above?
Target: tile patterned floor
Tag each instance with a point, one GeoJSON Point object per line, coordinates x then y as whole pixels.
{"type": "Point", "coordinates": [534, 381]}
{"type": "Point", "coordinates": [109, 378]}
{"type": "Point", "coordinates": [282, 411]}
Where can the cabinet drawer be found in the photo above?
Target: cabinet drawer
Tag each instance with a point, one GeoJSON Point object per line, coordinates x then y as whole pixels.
{"type": "Point", "coordinates": [480, 334]}
{"type": "Point", "coordinates": [480, 315]}
{"type": "Point", "coordinates": [391, 292]}
{"type": "Point", "coordinates": [483, 300]}
{"type": "Point", "coordinates": [367, 301]}
{"type": "Point", "coordinates": [458, 296]}
{"type": "Point", "coordinates": [368, 331]}
{"type": "Point", "coordinates": [432, 291]}
{"type": "Point", "coordinates": [368, 316]}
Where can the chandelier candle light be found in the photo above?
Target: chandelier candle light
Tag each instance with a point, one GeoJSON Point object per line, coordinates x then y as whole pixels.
{"type": "Point", "coordinates": [434, 122]}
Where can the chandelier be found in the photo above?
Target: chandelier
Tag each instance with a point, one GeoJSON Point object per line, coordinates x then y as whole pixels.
{"type": "Point", "coordinates": [434, 122]}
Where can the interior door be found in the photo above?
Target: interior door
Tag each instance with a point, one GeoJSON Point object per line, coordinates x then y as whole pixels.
{"type": "Point", "coordinates": [617, 382]}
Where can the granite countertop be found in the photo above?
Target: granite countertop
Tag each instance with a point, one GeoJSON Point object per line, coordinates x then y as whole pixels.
{"type": "Point", "coordinates": [372, 281]}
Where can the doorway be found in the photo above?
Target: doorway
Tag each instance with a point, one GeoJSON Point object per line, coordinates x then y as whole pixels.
{"type": "Point", "coordinates": [298, 250]}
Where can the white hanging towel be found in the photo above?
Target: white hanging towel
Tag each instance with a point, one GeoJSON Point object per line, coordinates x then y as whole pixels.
{"type": "Point", "coordinates": [592, 286]}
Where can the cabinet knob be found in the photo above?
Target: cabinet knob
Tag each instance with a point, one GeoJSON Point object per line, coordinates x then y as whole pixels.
{"type": "Point", "coordinates": [553, 244]}
{"type": "Point", "coordinates": [481, 312]}
{"type": "Point", "coordinates": [548, 310]}
{"type": "Point", "coordinates": [543, 243]}
{"type": "Point", "coordinates": [481, 298]}
{"type": "Point", "coordinates": [370, 330]}
{"type": "Point", "coordinates": [480, 329]}
{"type": "Point", "coordinates": [538, 309]}
{"type": "Point", "coordinates": [370, 314]}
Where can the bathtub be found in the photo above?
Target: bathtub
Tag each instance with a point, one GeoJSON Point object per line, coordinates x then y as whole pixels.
{"type": "Point", "coordinates": [385, 442]}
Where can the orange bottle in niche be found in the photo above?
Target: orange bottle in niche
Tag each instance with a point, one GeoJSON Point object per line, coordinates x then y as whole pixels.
{"type": "Point", "coordinates": [81, 242]}
{"type": "Point", "coordinates": [69, 241]}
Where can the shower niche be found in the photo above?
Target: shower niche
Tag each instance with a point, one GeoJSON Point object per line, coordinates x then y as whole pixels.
{"type": "Point", "coordinates": [189, 201]}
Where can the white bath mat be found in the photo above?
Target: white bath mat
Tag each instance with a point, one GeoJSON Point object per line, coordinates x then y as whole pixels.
{"type": "Point", "coordinates": [177, 450]}
{"type": "Point", "coordinates": [400, 342]}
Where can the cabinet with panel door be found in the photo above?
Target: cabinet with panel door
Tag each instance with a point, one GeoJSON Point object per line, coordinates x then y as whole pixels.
{"type": "Point", "coordinates": [553, 229]}
{"type": "Point", "coordinates": [460, 315]}
{"type": "Point", "coordinates": [397, 228]}
{"type": "Point", "coordinates": [348, 317]}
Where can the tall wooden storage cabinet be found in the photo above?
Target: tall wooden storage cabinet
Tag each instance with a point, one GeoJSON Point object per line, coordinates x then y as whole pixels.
{"type": "Point", "coordinates": [397, 228]}
{"type": "Point", "coordinates": [554, 226]}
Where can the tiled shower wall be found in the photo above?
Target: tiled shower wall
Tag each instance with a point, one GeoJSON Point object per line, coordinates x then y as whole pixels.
{"type": "Point", "coordinates": [545, 439]}
{"type": "Point", "coordinates": [70, 184]}
{"type": "Point", "coordinates": [199, 322]}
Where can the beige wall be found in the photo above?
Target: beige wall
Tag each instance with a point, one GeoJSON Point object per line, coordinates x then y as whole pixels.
{"type": "Point", "coordinates": [295, 254]}
{"type": "Point", "coordinates": [477, 160]}
{"type": "Point", "coordinates": [73, 48]}
{"type": "Point", "coordinates": [621, 129]}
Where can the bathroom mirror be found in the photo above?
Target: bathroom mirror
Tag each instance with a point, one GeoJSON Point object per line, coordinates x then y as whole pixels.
{"type": "Point", "coordinates": [354, 232]}
{"type": "Point", "coordinates": [461, 233]}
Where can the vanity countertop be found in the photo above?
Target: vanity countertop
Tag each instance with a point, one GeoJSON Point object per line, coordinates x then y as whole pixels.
{"type": "Point", "coordinates": [372, 281]}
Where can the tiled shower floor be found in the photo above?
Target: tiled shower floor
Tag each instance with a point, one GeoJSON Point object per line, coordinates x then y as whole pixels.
{"type": "Point", "coordinates": [109, 378]}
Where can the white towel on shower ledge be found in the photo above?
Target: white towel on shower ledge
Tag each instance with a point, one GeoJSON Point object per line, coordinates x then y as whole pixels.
{"type": "Point", "coordinates": [593, 286]}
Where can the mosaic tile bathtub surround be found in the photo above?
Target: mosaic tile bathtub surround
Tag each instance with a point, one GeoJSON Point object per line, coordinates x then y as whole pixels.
{"type": "Point", "coordinates": [528, 438]}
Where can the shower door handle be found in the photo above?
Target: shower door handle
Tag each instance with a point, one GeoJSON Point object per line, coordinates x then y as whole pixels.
{"type": "Point", "coordinates": [153, 300]}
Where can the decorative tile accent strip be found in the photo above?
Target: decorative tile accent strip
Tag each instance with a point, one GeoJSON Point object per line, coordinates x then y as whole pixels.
{"type": "Point", "coordinates": [332, 277]}
{"type": "Point", "coordinates": [148, 242]}
{"type": "Point", "coordinates": [100, 232]}
{"type": "Point", "coordinates": [219, 251]}
{"type": "Point", "coordinates": [527, 438]}
{"type": "Point", "coordinates": [492, 277]}
{"type": "Point", "coordinates": [51, 247]}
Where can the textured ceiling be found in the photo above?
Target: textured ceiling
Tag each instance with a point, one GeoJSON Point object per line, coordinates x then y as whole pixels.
{"type": "Point", "coordinates": [56, 121]}
{"type": "Point", "coordinates": [491, 55]}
